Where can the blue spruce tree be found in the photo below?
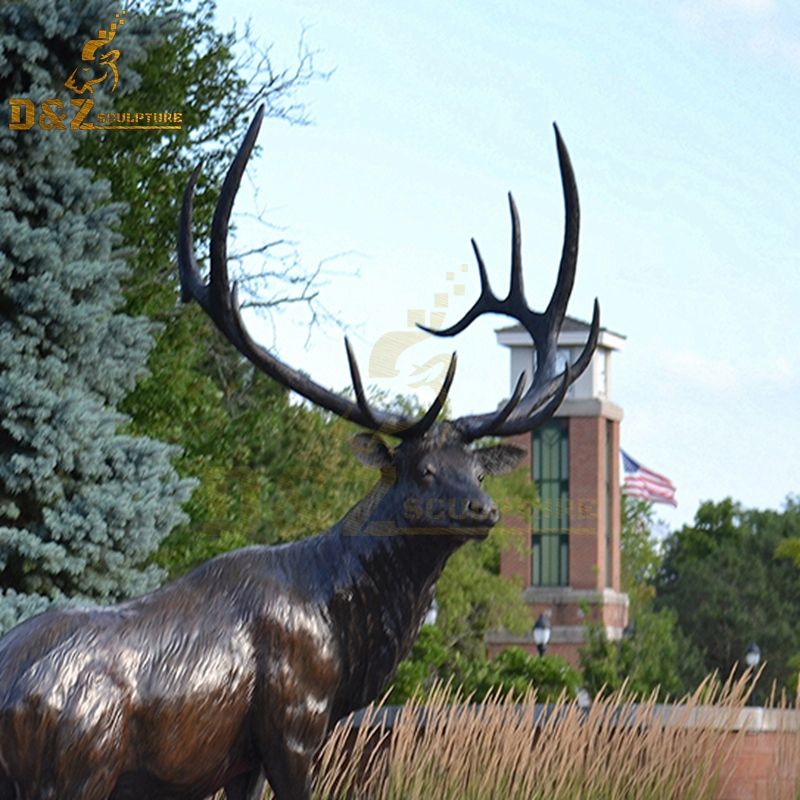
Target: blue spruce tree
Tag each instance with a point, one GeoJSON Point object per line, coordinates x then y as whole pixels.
{"type": "Point", "coordinates": [83, 505]}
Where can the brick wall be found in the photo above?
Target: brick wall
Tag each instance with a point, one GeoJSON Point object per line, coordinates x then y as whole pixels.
{"type": "Point", "coordinates": [764, 765]}
{"type": "Point", "coordinates": [588, 577]}
{"type": "Point", "coordinates": [587, 502]}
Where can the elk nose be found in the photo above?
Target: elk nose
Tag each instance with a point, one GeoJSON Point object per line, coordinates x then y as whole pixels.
{"type": "Point", "coordinates": [483, 509]}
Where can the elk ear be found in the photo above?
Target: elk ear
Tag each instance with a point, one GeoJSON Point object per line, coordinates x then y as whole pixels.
{"type": "Point", "coordinates": [370, 450]}
{"type": "Point", "coordinates": [500, 459]}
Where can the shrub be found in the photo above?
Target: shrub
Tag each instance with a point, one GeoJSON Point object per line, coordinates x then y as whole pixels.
{"type": "Point", "coordinates": [513, 672]}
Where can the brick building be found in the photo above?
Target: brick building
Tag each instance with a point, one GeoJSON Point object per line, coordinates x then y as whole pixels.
{"type": "Point", "coordinates": [568, 553]}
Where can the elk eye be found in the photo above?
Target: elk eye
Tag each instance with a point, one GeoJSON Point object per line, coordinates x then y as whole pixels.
{"type": "Point", "coordinates": [481, 476]}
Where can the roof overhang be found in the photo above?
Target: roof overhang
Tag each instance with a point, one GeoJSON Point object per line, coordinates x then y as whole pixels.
{"type": "Point", "coordinates": [519, 337]}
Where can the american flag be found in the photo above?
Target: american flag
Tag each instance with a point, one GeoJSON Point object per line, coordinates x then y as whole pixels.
{"type": "Point", "coordinates": [645, 484]}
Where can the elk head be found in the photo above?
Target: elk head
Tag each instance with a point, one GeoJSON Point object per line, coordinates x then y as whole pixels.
{"type": "Point", "coordinates": [430, 482]}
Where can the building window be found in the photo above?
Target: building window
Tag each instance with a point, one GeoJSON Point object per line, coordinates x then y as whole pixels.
{"type": "Point", "coordinates": [551, 517]}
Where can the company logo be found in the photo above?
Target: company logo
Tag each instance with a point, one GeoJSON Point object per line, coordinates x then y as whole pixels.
{"type": "Point", "coordinates": [428, 373]}
{"type": "Point", "coordinates": [98, 68]}
{"type": "Point", "coordinates": [574, 515]}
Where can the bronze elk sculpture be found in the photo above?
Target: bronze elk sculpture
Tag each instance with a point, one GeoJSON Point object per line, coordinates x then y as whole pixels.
{"type": "Point", "coordinates": [234, 673]}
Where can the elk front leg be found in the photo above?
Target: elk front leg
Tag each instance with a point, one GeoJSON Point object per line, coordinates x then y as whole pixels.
{"type": "Point", "coordinates": [287, 752]}
{"type": "Point", "coordinates": [250, 786]}
{"type": "Point", "coordinates": [7, 789]}
{"type": "Point", "coordinates": [289, 774]}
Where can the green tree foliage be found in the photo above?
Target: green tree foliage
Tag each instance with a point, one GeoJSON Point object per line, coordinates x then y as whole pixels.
{"type": "Point", "coordinates": [427, 663]}
{"type": "Point", "coordinates": [639, 552]}
{"type": "Point", "coordinates": [83, 504]}
{"type": "Point", "coordinates": [513, 672]}
{"type": "Point", "coordinates": [600, 661]}
{"type": "Point", "coordinates": [653, 654]}
{"type": "Point", "coordinates": [516, 672]}
{"type": "Point", "coordinates": [239, 435]}
{"type": "Point", "coordinates": [789, 546]}
{"type": "Point", "coordinates": [723, 580]}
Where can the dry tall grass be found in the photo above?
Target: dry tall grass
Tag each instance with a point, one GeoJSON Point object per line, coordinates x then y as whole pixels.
{"type": "Point", "coordinates": [785, 773]}
{"type": "Point", "coordinates": [449, 749]}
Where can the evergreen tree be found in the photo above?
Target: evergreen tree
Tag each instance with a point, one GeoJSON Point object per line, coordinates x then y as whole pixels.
{"type": "Point", "coordinates": [83, 504]}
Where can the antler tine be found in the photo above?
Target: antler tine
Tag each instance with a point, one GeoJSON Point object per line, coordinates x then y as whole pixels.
{"type": "Point", "coordinates": [220, 301]}
{"type": "Point", "coordinates": [432, 413]}
{"type": "Point", "coordinates": [557, 307]}
{"type": "Point", "coordinates": [486, 302]}
{"type": "Point", "coordinates": [479, 426]}
{"type": "Point", "coordinates": [516, 292]}
{"type": "Point", "coordinates": [580, 364]}
{"type": "Point", "coordinates": [539, 414]}
{"type": "Point", "coordinates": [402, 429]}
{"type": "Point", "coordinates": [192, 285]}
{"type": "Point", "coordinates": [355, 377]}
{"type": "Point", "coordinates": [219, 282]}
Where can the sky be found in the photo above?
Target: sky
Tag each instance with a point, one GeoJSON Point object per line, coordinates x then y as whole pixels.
{"type": "Point", "coordinates": [682, 122]}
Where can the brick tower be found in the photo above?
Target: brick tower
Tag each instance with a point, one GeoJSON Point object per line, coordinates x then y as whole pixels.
{"type": "Point", "coordinates": [568, 553]}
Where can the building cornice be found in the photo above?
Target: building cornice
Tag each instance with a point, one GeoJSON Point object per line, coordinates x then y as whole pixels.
{"type": "Point", "coordinates": [561, 595]}
{"type": "Point", "coordinates": [519, 337]}
{"type": "Point", "coordinates": [590, 407]}
{"type": "Point", "coordinates": [559, 634]}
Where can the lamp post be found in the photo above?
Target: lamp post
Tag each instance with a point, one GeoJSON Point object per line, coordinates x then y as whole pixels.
{"type": "Point", "coordinates": [541, 632]}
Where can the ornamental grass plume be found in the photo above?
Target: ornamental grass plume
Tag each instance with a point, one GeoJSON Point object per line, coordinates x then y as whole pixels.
{"type": "Point", "coordinates": [447, 748]}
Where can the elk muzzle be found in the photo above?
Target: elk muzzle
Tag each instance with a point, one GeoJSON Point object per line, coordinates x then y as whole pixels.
{"type": "Point", "coordinates": [482, 511]}
{"type": "Point", "coordinates": [453, 514]}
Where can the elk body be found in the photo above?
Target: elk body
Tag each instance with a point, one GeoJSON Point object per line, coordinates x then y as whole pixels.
{"type": "Point", "coordinates": [236, 672]}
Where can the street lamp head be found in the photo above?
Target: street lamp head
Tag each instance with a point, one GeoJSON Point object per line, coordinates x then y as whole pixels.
{"type": "Point", "coordinates": [432, 614]}
{"type": "Point", "coordinates": [541, 632]}
{"type": "Point", "coordinates": [752, 655]}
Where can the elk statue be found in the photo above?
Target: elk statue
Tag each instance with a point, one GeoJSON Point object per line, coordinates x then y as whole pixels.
{"type": "Point", "coordinates": [233, 674]}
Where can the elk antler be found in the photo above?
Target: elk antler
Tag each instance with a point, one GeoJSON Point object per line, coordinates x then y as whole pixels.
{"type": "Point", "coordinates": [219, 300]}
{"type": "Point", "coordinates": [525, 412]}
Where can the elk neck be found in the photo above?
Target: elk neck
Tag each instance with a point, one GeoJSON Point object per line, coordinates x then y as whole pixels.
{"type": "Point", "coordinates": [379, 597]}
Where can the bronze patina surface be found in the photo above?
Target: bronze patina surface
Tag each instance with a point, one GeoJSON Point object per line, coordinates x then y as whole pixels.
{"type": "Point", "coordinates": [234, 674]}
